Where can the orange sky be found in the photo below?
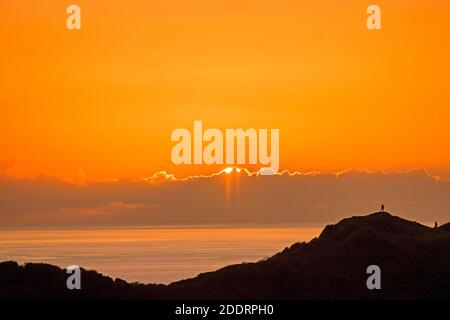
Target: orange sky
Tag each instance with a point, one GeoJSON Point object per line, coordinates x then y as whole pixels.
{"type": "Point", "coordinates": [102, 102]}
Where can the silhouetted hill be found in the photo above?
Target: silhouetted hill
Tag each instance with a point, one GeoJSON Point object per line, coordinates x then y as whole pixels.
{"type": "Point", "coordinates": [414, 261]}
{"type": "Point", "coordinates": [445, 227]}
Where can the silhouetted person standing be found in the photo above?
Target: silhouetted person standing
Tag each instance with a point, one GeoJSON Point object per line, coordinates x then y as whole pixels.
{"type": "Point", "coordinates": [382, 207]}
{"type": "Point", "coordinates": [435, 225]}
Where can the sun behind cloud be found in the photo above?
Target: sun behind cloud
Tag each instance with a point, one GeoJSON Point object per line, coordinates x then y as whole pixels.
{"type": "Point", "coordinates": [228, 170]}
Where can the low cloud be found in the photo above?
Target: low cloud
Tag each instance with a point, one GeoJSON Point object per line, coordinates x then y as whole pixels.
{"type": "Point", "coordinates": [234, 198]}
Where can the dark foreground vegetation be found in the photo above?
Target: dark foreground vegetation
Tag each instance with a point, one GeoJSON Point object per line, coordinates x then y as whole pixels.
{"type": "Point", "coordinates": [414, 261]}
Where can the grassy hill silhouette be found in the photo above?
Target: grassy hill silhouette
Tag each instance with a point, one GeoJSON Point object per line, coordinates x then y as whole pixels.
{"type": "Point", "coordinates": [414, 261]}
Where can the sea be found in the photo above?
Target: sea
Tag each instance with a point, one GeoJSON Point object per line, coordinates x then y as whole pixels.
{"type": "Point", "coordinates": [150, 255]}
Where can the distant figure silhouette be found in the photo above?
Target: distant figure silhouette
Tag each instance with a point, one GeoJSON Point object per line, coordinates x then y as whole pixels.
{"type": "Point", "coordinates": [435, 224]}
{"type": "Point", "coordinates": [382, 207]}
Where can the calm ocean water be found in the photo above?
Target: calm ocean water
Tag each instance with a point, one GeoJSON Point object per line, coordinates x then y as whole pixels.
{"type": "Point", "coordinates": [150, 255]}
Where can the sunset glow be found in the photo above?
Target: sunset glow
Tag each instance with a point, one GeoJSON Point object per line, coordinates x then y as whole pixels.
{"type": "Point", "coordinates": [222, 158]}
{"type": "Point", "coordinates": [100, 103]}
